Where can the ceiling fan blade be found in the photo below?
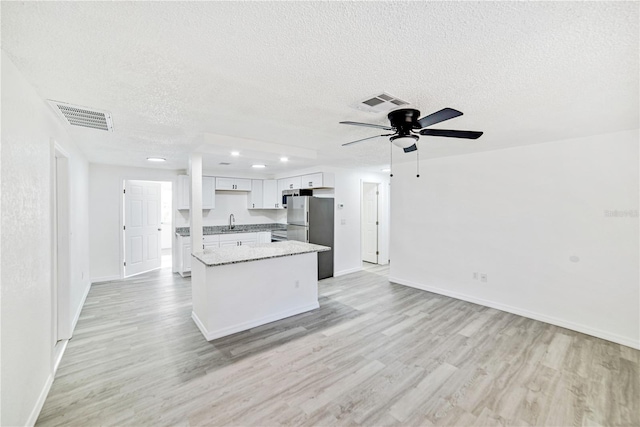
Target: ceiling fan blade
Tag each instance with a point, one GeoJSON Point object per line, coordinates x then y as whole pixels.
{"type": "Point", "coordinates": [369, 125]}
{"type": "Point", "coordinates": [438, 116]}
{"type": "Point", "coordinates": [467, 134]}
{"type": "Point", "coordinates": [414, 147]}
{"type": "Point", "coordinates": [364, 139]}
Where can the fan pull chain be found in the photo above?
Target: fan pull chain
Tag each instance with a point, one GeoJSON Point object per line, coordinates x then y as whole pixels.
{"type": "Point", "coordinates": [418, 163]}
{"type": "Point", "coordinates": [391, 159]}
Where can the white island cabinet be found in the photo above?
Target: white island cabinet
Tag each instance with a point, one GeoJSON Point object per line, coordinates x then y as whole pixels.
{"type": "Point", "coordinates": [241, 287]}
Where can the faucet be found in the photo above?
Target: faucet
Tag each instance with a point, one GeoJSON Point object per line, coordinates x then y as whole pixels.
{"type": "Point", "coordinates": [232, 222]}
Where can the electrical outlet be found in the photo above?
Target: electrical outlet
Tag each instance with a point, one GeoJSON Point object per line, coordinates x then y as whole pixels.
{"type": "Point", "coordinates": [483, 277]}
{"type": "Point", "coordinates": [343, 221]}
{"type": "Point", "coordinates": [475, 275]}
{"type": "Point", "coordinates": [297, 283]}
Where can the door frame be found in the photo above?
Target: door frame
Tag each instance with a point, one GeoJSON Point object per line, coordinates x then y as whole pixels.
{"type": "Point", "coordinates": [123, 180]}
{"type": "Point", "coordinates": [384, 192]}
{"type": "Point", "coordinates": [362, 204]}
{"type": "Point", "coordinates": [61, 259]}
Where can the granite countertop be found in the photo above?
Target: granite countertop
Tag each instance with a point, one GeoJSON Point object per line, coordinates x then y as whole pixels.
{"type": "Point", "coordinates": [224, 229]}
{"type": "Point", "coordinates": [236, 254]}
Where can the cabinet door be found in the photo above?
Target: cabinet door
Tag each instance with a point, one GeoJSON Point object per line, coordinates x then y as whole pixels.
{"type": "Point", "coordinates": [264, 237]}
{"type": "Point", "coordinates": [183, 192]}
{"type": "Point", "coordinates": [312, 181]}
{"type": "Point", "coordinates": [256, 196]}
{"type": "Point", "coordinates": [208, 192]}
{"type": "Point", "coordinates": [294, 183]}
{"type": "Point", "coordinates": [270, 198]}
{"type": "Point", "coordinates": [241, 184]}
{"type": "Point", "coordinates": [282, 185]}
{"type": "Point", "coordinates": [224, 183]}
{"type": "Point", "coordinates": [249, 241]}
{"type": "Point", "coordinates": [186, 257]}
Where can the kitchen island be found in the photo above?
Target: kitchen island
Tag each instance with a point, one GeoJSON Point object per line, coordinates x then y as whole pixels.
{"type": "Point", "coordinates": [241, 287]}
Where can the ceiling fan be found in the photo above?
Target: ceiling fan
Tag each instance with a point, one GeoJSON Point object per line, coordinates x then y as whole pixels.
{"type": "Point", "coordinates": [406, 127]}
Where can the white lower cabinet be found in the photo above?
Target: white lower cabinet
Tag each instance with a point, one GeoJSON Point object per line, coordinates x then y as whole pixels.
{"type": "Point", "coordinates": [264, 237]}
{"type": "Point", "coordinates": [238, 239]}
{"type": "Point", "coordinates": [211, 241]}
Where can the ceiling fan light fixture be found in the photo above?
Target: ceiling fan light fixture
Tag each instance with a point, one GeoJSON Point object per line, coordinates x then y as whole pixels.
{"type": "Point", "coordinates": [404, 141]}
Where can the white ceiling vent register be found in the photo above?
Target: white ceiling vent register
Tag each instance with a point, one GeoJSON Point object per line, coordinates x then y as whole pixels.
{"type": "Point", "coordinates": [380, 103]}
{"type": "Point", "coordinates": [83, 116]}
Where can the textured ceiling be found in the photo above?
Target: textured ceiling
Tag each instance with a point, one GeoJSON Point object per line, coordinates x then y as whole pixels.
{"type": "Point", "coordinates": [275, 78]}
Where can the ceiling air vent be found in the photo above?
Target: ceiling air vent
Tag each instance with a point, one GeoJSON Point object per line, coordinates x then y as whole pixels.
{"type": "Point", "coordinates": [380, 103]}
{"type": "Point", "coordinates": [82, 116]}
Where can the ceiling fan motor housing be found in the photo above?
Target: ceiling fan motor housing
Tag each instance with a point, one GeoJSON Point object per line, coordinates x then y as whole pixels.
{"type": "Point", "coordinates": [404, 120]}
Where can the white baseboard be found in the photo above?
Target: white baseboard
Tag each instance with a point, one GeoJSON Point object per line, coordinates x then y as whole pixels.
{"type": "Point", "coordinates": [35, 412]}
{"type": "Point", "coordinates": [219, 333]}
{"type": "Point", "coordinates": [605, 335]}
{"type": "Point", "coordinates": [79, 310]}
{"type": "Point", "coordinates": [105, 279]}
{"type": "Point", "coordinates": [349, 271]}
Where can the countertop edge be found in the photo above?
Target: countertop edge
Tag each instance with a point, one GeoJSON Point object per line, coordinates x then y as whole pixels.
{"type": "Point", "coordinates": [317, 248]}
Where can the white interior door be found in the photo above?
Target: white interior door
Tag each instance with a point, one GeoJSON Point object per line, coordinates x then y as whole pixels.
{"type": "Point", "coordinates": [142, 227]}
{"type": "Point", "coordinates": [370, 222]}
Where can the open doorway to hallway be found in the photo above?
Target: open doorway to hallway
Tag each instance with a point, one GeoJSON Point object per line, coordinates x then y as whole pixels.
{"type": "Point", "coordinates": [147, 225]}
{"type": "Point", "coordinates": [369, 222]}
{"type": "Point", "coordinates": [166, 219]}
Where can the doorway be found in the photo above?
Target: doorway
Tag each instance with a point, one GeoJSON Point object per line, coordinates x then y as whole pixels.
{"type": "Point", "coordinates": [370, 222]}
{"type": "Point", "coordinates": [61, 318]}
{"type": "Point", "coordinates": [147, 218]}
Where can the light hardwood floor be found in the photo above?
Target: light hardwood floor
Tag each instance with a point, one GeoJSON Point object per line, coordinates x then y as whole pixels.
{"type": "Point", "coordinates": [373, 354]}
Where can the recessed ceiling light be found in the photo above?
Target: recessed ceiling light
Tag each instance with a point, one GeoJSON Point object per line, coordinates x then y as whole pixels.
{"type": "Point", "coordinates": [258, 166]}
{"type": "Point", "coordinates": [235, 153]}
{"type": "Point", "coordinates": [284, 159]}
{"type": "Point", "coordinates": [156, 159]}
{"type": "Point", "coordinates": [386, 170]}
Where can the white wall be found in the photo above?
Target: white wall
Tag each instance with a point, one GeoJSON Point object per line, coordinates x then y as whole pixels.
{"type": "Point", "coordinates": [28, 128]}
{"type": "Point", "coordinates": [519, 215]}
{"type": "Point", "coordinates": [348, 190]}
{"type": "Point", "coordinates": [105, 214]}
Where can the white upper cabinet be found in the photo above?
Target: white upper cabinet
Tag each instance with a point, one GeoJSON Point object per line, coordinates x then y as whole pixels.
{"type": "Point", "coordinates": [208, 192]}
{"type": "Point", "coordinates": [183, 192]}
{"type": "Point", "coordinates": [318, 180]}
{"type": "Point", "coordinates": [271, 198]}
{"type": "Point", "coordinates": [233, 184]}
{"type": "Point", "coordinates": [255, 197]}
{"type": "Point", "coordinates": [264, 195]}
{"type": "Point", "coordinates": [291, 183]}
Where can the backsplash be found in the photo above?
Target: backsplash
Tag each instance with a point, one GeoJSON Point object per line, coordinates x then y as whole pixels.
{"type": "Point", "coordinates": [222, 229]}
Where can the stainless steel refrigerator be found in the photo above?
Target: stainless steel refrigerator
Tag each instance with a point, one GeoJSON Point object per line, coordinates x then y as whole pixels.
{"type": "Point", "coordinates": [310, 220]}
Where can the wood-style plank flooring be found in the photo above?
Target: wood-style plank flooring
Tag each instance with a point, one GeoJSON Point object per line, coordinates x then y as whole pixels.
{"type": "Point", "coordinates": [373, 354]}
